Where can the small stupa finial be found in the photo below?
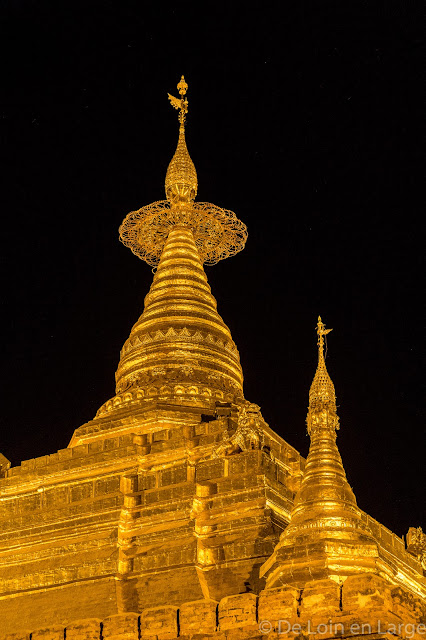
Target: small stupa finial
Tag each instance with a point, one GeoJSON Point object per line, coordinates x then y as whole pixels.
{"type": "Point", "coordinates": [322, 397]}
{"type": "Point", "coordinates": [321, 331]}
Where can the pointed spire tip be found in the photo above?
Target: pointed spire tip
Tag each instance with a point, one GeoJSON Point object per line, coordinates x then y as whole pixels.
{"type": "Point", "coordinates": [181, 178]}
{"type": "Point", "coordinates": [322, 396]}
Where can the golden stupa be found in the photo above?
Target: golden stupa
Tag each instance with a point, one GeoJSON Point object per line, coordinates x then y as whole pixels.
{"type": "Point", "coordinates": [177, 512]}
{"type": "Point", "coordinates": [180, 339]}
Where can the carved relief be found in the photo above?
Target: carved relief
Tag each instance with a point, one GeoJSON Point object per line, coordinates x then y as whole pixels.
{"type": "Point", "coordinates": [416, 544]}
{"type": "Point", "coordinates": [249, 434]}
{"type": "Point", "coordinates": [180, 373]}
{"type": "Point", "coordinates": [173, 333]}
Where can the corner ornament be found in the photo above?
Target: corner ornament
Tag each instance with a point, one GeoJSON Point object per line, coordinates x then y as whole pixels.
{"type": "Point", "coordinates": [416, 544]}
{"type": "Point", "coordinates": [249, 434]}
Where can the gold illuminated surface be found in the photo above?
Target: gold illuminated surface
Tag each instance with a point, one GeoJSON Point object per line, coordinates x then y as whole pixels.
{"type": "Point", "coordinates": [180, 339]}
{"type": "Point", "coordinates": [177, 512]}
{"type": "Point", "coordinates": [327, 536]}
{"type": "Point", "coordinates": [217, 232]}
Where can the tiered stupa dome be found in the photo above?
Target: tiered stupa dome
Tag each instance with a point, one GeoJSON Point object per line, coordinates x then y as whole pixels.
{"type": "Point", "coordinates": [180, 336]}
{"type": "Point", "coordinates": [180, 340]}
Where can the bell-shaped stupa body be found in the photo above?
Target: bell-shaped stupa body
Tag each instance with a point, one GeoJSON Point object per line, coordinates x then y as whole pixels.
{"type": "Point", "coordinates": [180, 337]}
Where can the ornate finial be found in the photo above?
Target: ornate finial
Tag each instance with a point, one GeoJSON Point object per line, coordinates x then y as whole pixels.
{"type": "Point", "coordinates": [321, 331]}
{"type": "Point", "coordinates": [182, 103]}
{"type": "Point", "coordinates": [181, 176]}
{"type": "Point", "coordinates": [217, 232]}
{"type": "Point", "coordinates": [182, 86]}
{"type": "Point", "coordinates": [322, 397]}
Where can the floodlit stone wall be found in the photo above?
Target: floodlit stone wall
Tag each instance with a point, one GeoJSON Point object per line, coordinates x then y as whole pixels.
{"type": "Point", "coordinates": [151, 514]}
{"type": "Point", "coordinates": [364, 605]}
{"type": "Point", "coordinates": [128, 521]}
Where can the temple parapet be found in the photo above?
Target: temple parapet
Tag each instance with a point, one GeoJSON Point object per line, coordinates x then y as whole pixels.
{"type": "Point", "coordinates": [363, 605]}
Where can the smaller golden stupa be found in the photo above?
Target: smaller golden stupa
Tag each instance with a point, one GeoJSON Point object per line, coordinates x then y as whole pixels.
{"type": "Point", "coordinates": [327, 536]}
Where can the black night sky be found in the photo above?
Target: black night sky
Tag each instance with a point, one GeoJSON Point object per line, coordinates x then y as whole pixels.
{"type": "Point", "coordinates": [305, 120]}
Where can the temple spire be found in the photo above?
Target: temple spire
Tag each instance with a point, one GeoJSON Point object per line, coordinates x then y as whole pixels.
{"type": "Point", "coordinates": [181, 178]}
{"type": "Point", "coordinates": [217, 232]}
{"type": "Point", "coordinates": [180, 347]}
{"type": "Point", "coordinates": [322, 396]}
{"type": "Point", "coordinates": [321, 331]}
{"type": "Point", "coordinates": [327, 535]}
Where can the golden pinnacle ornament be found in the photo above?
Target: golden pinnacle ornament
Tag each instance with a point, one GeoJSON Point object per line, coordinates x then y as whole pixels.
{"type": "Point", "coordinates": [217, 232]}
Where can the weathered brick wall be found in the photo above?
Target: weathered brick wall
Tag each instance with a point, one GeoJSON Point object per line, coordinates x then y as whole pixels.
{"type": "Point", "coordinates": [323, 609]}
{"type": "Point", "coordinates": [45, 608]}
